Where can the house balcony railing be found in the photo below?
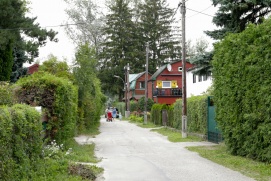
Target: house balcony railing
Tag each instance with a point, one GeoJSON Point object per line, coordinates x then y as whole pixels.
{"type": "Point", "coordinates": [168, 92]}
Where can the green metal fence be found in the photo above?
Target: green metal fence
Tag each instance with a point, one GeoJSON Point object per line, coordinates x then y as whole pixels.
{"type": "Point", "coordinates": [214, 134]}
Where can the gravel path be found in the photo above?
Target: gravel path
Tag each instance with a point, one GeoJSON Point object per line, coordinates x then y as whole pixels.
{"type": "Point", "coordinates": [131, 153]}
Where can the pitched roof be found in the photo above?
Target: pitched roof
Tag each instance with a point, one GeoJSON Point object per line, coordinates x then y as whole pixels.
{"type": "Point", "coordinates": [158, 72]}
{"type": "Point", "coordinates": [133, 78]}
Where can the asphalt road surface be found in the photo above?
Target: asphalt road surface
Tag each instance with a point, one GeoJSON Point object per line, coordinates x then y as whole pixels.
{"type": "Point", "coordinates": [131, 153]}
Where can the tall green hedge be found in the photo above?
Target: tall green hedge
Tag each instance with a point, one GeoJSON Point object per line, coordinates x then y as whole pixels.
{"type": "Point", "coordinates": [156, 116]}
{"type": "Point", "coordinates": [21, 142]}
{"type": "Point", "coordinates": [242, 71]}
{"type": "Point", "coordinates": [177, 122]}
{"type": "Point", "coordinates": [58, 96]}
{"type": "Point", "coordinates": [6, 96]}
{"type": "Point", "coordinates": [197, 114]}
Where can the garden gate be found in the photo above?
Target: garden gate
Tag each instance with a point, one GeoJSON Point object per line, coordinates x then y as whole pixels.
{"type": "Point", "coordinates": [214, 134]}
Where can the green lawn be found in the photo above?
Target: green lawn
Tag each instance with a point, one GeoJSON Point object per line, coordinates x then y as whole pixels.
{"type": "Point", "coordinates": [218, 154]}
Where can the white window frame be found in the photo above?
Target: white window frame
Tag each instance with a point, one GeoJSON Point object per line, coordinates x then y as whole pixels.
{"type": "Point", "coordinates": [180, 69]}
{"type": "Point", "coordinates": [140, 85]}
{"type": "Point", "coordinates": [164, 82]}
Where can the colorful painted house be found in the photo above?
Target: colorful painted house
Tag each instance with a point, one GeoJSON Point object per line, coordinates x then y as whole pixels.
{"type": "Point", "coordinates": [165, 85]}
{"type": "Point", "coordinates": [197, 84]}
{"type": "Point", "coordinates": [33, 68]}
{"type": "Point", "coordinates": [137, 85]}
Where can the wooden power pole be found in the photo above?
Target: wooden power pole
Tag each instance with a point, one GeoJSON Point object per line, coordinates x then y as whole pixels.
{"type": "Point", "coordinates": [184, 106]}
{"type": "Point", "coordinates": [146, 83]}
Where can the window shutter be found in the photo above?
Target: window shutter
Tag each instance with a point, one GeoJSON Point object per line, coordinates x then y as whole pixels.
{"type": "Point", "coordinates": [174, 84]}
{"type": "Point", "coordinates": [159, 84]}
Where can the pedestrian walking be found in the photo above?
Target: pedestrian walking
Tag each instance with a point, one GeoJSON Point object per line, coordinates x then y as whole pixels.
{"type": "Point", "coordinates": [114, 113]}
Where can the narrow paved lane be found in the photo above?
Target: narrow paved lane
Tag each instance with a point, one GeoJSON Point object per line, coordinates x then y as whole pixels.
{"type": "Point", "coordinates": [131, 153]}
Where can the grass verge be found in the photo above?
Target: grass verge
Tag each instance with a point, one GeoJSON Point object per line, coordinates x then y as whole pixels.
{"type": "Point", "coordinates": [175, 136]}
{"type": "Point", "coordinates": [147, 125]}
{"type": "Point", "coordinates": [74, 163]}
{"type": "Point", "coordinates": [218, 154]}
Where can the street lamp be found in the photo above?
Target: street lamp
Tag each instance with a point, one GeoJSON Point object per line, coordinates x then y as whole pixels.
{"type": "Point", "coordinates": [125, 88]}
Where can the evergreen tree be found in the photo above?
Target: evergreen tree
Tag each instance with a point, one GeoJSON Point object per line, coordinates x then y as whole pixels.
{"type": "Point", "coordinates": [121, 45]}
{"type": "Point", "coordinates": [20, 36]}
{"type": "Point", "coordinates": [233, 16]}
{"type": "Point", "coordinates": [156, 25]}
{"type": "Point", "coordinates": [90, 97]}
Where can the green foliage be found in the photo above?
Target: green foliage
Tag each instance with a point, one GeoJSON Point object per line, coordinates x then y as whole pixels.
{"type": "Point", "coordinates": [156, 114]}
{"type": "Point", "coordinates": [242, 91]}
{"type": "Point", "coordinates": [121, 107]}
{"type": "Point", "coordinates": [136, 118]}
{"type": "Point", "coordinates": [120, 46]}
{"type": "Point", "coordinates": [141, 104]}
{"type": "Point", "coordinates": [6, 94]}
{"type": "Point", "coordinates": [170, 116]}
{"type": "Point", "coordinates": [20, 38]}
{"type": "Point", "coordinates": [90, 97]}
{"type": "Point", "coordinates": [133, 106]}
{"type": "Point", "coordinates": [175, 136]}
{"type": "Point", "coordinates": [6, 62]}
{"type": "Point", "coordinates": [155, 25]}
{"type": "Point", "coordinates": [20, 140]}
{"type": "Point", "coordinates": [177, 122]}
{"type": "Point", "coordinates": [233, 16]}
{"type": "Point", "coordinates": [246, 166]}
{"type": "Point", "coordinates": [58, 96]}
{"type": "Point", "coordinates": [197, 114]}
{"type": "Point", "coordinates": [55, 67]}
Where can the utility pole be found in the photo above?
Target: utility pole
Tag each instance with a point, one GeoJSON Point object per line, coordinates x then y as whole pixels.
{"type": "Point", "coordinates": [125, 85]}
{"type": "Point", "coordinates": [146, 84]}
{"type": "Point", "coordinates": [184, 110]}
{"type": "Point", "coordinates": [128, 90]}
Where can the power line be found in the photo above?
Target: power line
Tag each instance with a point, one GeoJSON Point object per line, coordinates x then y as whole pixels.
{"type": "Point", "coordinates": [199, 12]}
{"type": "Point", "coordinates": [53, 26]}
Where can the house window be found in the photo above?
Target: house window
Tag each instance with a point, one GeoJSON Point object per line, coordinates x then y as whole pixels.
{"type": "Point", "coordinates": [200, 78]}
{"type": "Point", "coordinates": [205, 76]}
{"type": "Point", "coordinates": [142, 85]}
{"type": "Point", "coordinates": [180, 69]}
{"type": "Point", "coordinates": [166, 84]}
{"type": "Point", "coordinates": [194, 78]}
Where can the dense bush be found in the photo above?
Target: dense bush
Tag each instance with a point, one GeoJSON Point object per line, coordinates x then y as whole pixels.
{"type": "Point", "coordinates": [177, 120]}
{"type": "Point", "coordinates": [197, 114]}
{"type": "Point", "coordinates": [133, 106]}
{"type": "Point", "coordinates": [141, 104]}
{"type": "Point", "coordinates": [241, 70]}
{"type": "Point", "coordinates": [121, 107]}
{"type": "Point", "coordinates": [156, 113]}
{"type": "Point", "coordinates": [59, 98]}
{"type": "Point", "coordinates": [90, 97]}
{"type": "Point", "coordinates": [6, 96]}
{"type": "Point", "coordinates": [20, 141]}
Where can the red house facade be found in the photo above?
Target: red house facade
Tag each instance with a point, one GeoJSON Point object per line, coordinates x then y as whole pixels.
{"type": "Point", "coordinates": [165, 85]}
{"type": "Point", "coordinates": [137, 85]}
{"type": "Point", "coordinates": [33, 68]}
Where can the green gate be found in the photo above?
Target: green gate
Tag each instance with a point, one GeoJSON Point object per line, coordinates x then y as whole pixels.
{"type": "Point", "coordinates": [214, 134]}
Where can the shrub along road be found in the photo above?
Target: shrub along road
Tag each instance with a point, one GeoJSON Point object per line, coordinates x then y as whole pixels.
{"type": "Point", "coordinates": [131, 153]}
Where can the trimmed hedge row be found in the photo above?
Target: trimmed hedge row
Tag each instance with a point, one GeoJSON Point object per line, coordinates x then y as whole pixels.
{"type": "Point", "coordinates": [241, 71]}
{"type": "Point", "coordinates": [58, 96]}
{"type": "Point", "coordinates": [196, 114]}
{"type": "Point", "coordinates": [5, 94]}
{"type": "Point", "coordinates": [21, 142]}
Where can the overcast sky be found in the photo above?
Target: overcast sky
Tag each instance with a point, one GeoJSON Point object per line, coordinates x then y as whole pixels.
{"type": "Point", "coordinates": [51, 13]}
